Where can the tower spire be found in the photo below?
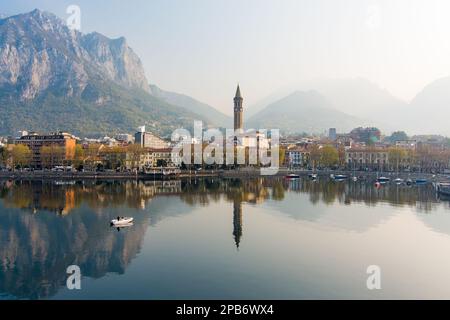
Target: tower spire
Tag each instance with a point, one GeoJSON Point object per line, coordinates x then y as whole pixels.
{"type": "Point", "coordinates": [238, 92]}
{"type": "Point", "coordinates": [238, 110]}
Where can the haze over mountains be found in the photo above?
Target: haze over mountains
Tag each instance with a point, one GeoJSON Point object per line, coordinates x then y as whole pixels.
{"type": "Point", "coordinates": [360, 103]}
{"type": "Point", "coordinates": [210, 113]}
{"type": "Point", "coordinates": [53, 78]}
{"type": "Point", "coordinates": [307, 110]}
{"type": "Point", "coordinates": [429, 111]}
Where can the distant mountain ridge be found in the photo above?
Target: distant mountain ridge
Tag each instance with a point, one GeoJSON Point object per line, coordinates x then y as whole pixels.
{"type": "Point", "coordinates": [53, 78]}
{"type": "Point", "coordinates": [214, 117]}
{"type": "Point", "coordinates": [430, 109]}
{"type": "Point", "coordinates": [363, 99]}
{"type": "Point", "coordinates": [303, 111]}
{"type": "Point", "coordinates": [359, 101]}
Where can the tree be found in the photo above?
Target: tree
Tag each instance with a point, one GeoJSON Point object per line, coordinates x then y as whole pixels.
{"type": "Point", "coordinates": [91, 154]}
{"type": "Point", "coordinates": [134, 152]}
{"type": "Point", "coordinates": [4, 156]}
{"type": "Point", "coordinates": [341, 155]}
{"type": "Point", "coordinates": [396, 155]}
{"type": "Point", "coordinates": [314, 155]}
{"type": "Point", "coordinates": [79, 157]}
{"type": "Point", "coordinates": [52, 155]}
{"type": "Point", "coordinates": [397, 136]}
{"type": "Point", "coordinates": [329, 156]}
{"type": "Point", "coordinates": [282, 156]}
{"type": "Point", "coordinates": [21, 155]}
{"type": "Point", "coordinates": [114, 156]}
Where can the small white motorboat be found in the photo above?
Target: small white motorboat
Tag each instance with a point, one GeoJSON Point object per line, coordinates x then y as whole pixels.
{"type": "Point", "coordinates": [122, 222]}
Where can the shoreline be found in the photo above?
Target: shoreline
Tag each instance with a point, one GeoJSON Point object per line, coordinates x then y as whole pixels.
{"type": "Point", "coordinates": [236, 173]}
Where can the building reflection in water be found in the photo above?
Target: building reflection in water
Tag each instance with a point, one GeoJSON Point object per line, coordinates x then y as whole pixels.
{"type": "Point", "coordinates": [237, 222]}
{"type": "Point", "coordinates": [36, 242]}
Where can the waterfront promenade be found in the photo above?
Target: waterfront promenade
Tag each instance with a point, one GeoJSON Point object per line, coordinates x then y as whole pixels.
{"type": "Point", "coordinates": [234, 173]}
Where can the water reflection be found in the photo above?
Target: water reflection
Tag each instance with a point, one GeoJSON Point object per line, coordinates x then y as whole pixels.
{"type": "Point", "coordinates": [237, 222]}
{"type": "Point", "coordinates": [45, 226]}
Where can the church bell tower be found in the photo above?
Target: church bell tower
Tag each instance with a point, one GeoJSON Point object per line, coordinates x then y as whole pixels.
{"type": "Point", "coordinates": [238, 111]}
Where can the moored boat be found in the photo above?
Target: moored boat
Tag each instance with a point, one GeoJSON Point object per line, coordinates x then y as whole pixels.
{"type": "Point", "coordinates": [443, 188]}
{"type": "Point", "coordinates": [340, 177]}
{"type": "Point", "coordinates": [125, 221]}
{"type": "Point", "coordinates": [421, 181]}
{"type": "Point", "coordinates": [383, 179]}
{"type": "Point", "coordinates": [292, 176]}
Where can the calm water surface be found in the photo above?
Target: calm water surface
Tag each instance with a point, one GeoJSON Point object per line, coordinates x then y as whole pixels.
{"type": "Point", "coordinates": [224, 239]}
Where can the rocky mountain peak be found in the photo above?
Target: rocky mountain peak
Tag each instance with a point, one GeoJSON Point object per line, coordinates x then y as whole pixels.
{"type": "Point", "coordinates": [39, 52]}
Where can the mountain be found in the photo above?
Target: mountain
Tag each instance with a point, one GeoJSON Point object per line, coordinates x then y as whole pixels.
{"type": "Point", "coordinates": [363, 99]}
{"type": "Point", "coordinates": [355, 96]}
{"type": "Point", "coordinates": [253, 109]}
{"type": "Point", "coordinates": [428, 112]}
{"type": "Point", "coordinates": [213, 116]}
{"type": "Point", "coordinates": [304, 111]}
{"type": "Point", "coordinates": [54, 78]}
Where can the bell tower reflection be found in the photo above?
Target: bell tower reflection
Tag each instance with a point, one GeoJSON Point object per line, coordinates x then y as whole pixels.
{"type": "Point", "coordinates": [237, 222]}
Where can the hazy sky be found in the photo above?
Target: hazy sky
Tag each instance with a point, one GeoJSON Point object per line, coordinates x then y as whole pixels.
{"type": "Point", "coordinates": [204, 47]}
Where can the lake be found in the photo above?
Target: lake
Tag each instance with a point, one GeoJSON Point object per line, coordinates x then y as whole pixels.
{"type": "Point", "coordinates": [261, 238]}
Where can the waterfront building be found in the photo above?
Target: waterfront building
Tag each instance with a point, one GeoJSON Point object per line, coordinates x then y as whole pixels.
{"type": "Point", "coordinates": [149, 140]}
{"type": "Point", "coordinates": [65, 142]}
{"type": "Point", "coordinates": [367, 158]}
{"type": "Point", "coordinates": [162, 157]}
{"type": "Point", "coordinates": [149, 159]}
{"type": "Point", "coordinates": [297, 156]}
